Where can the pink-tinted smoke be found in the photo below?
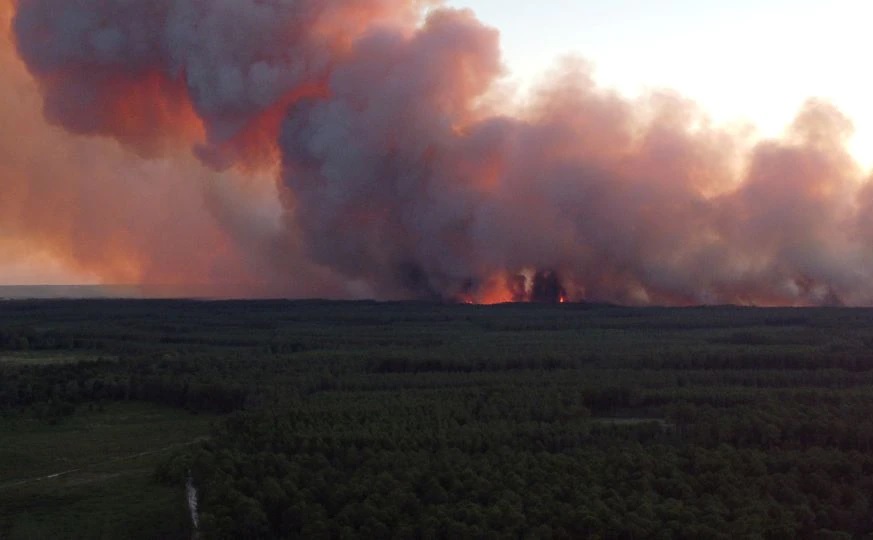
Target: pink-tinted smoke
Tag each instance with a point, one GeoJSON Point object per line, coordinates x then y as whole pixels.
{"type": "Point", "coordinates": [400, 171]}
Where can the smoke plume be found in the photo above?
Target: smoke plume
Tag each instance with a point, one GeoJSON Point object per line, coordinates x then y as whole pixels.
{"type": "Point", "coordinates": [366, 148]}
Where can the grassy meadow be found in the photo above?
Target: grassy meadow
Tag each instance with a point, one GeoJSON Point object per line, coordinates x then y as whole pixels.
{"type": "Point", "coordinates": [91, 476]}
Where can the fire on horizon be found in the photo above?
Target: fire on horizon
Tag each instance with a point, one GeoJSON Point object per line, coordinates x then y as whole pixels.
{"type": "Point", "coordinates": [373, 148]}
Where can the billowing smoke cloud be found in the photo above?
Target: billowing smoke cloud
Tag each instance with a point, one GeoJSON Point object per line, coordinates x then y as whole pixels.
{"type": "Point", "coordinates": [402, 173]}
{"type": "Point", "coordinates": [98, 209]}
{"type": "Point", "coordinates": [149, 73]}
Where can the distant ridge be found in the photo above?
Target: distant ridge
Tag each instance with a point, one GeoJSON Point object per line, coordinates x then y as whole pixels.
{"type": "Point", "coordinates": [38, 292]}
{"type": "Point", "coordinates": [28, 292]}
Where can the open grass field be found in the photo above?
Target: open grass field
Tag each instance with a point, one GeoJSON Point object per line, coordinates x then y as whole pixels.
{"type": "Point", "coordinates": [47, 358]}
{"type": "Point", "coordinates": [92, 475]}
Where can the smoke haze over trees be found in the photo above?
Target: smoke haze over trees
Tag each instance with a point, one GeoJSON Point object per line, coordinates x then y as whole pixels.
{"type": "Point", "coordinates": [367, 148]}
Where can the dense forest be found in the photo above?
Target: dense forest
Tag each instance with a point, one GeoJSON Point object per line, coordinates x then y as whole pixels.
{"type": "Point", "coordinates": [422, 420]}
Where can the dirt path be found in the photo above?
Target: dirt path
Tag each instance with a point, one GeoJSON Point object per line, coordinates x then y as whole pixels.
{"type": "Point", "coordinates": [24, 481]}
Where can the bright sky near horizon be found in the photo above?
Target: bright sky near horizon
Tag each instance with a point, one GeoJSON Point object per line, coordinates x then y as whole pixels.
{"type": "Point", "coordinates": [745, 60]}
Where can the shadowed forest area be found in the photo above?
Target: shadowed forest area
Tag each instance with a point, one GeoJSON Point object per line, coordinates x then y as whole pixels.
{"type": "Point", "coordinates": [315, 419]}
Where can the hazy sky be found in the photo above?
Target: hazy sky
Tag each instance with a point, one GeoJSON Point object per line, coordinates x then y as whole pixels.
{"type": "Point", "coordinates": [756, 60]}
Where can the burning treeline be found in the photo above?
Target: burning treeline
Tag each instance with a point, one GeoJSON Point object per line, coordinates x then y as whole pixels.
{"type": "Point", "coordinates": [402, 172]}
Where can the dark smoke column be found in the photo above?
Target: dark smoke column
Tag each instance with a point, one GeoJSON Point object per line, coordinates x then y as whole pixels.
{"type": "Point", "coordinates": [376, 166]}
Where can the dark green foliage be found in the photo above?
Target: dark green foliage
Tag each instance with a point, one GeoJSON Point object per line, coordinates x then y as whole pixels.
{"type": "Point", "coordinates": [416, 420]}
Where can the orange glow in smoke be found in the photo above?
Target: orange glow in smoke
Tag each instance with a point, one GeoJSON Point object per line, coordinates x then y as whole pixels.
{"type": "Point", "coordinates": [153, 105]}
{"type": "Point", "coordinates": [496, 292]}
{"type": "Point", "coordinates": [256, 145]}
{"type": "Point", "coordinates": [148, 111]}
